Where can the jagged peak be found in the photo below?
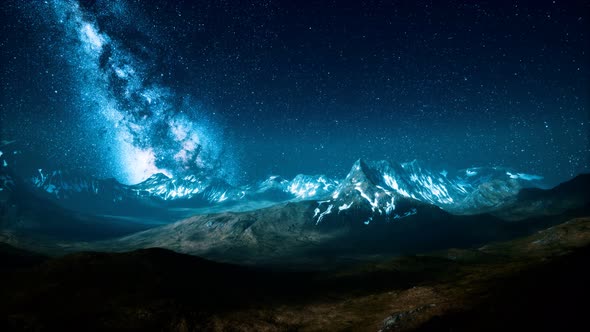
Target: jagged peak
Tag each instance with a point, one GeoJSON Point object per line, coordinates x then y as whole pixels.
{"type": "Point", "coordinates": [379, 180]}
{"type": "Point", "coordinates": [159, 176]}
{"type": "Point", "coordinates": [275, 179]}
{"type": "Point", "coordinates": [361, 172]}
{"type": "Point", "coordinates": [154, 178]}
{"type": "Point", "coordinates": [415, 163]}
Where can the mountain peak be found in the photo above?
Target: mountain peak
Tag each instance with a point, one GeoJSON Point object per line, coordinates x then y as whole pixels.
{"type": "Point", "coordinates": [156, 177]}
{"type": "Point", "coordinates": [369, 184]}
{"type": "Point", "coordinates": [361, 172]}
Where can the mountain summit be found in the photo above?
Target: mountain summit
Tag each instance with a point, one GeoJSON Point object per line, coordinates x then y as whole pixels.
{"type": "Point", "coordinates": [380, 185]}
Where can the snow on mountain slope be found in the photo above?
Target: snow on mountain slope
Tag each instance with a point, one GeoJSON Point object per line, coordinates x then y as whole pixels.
{"type": "Point", "coordinates": [380, 185]}
{"type": "Point", "coordinates": [393, 191]}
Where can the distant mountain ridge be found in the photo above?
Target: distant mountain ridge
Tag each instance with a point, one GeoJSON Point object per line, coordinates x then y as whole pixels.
{"type": "Point", "coordinates": [361, 217]}
{"type": "Point", "coordinates": [190, 190]}
{"type": "Point", "coordinates": [378, 207]}
{"type": "Point", "coordinates": [468, 191]}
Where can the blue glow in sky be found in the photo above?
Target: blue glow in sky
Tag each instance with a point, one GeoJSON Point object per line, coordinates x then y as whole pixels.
{"type": "Point", "coordinates": [126, 89]}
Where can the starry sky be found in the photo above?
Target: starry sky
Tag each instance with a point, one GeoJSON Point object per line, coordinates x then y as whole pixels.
{"type": "Point", "coordinates": [245, 89]}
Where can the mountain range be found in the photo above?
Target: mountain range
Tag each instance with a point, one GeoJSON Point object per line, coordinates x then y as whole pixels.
{"type": "Point", "coordinates": [389, 247]}
{"type": "Point", "coordinates": [468, 191]}
{"type": "Point", "coordinates": [379, 208]}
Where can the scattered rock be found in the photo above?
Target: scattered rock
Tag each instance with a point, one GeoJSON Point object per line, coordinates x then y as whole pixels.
{"type": "Point", "coordinates": [397, 319]}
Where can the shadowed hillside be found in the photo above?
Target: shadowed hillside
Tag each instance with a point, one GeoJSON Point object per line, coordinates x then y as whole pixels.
{"type": "Point", "coordinates": [500, 286]}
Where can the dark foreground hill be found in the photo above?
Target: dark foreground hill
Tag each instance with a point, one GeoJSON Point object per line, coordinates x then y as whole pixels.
{"type": "Point", "coordinates": [533, 283]}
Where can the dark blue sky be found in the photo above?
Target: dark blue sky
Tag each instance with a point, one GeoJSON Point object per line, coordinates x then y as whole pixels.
{"type": "Point", "coordinates": [298, 87]}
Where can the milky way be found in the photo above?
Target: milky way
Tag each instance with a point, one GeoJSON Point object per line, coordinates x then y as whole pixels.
{"type": "Point", "coordinates": [129, 88]}
{"type": "Point", "coordinates": [147, 128]}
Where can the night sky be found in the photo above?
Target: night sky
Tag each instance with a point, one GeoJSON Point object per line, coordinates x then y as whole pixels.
{"type": "Point", "coordinates": [242, 90]}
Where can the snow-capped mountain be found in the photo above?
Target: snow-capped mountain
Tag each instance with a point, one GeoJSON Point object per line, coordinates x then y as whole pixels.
{"type": "Point", "coordinates": [82, 192]}
{"type": "Point", "coordinates": [63, 185]}
{"type": "Point", "coordinates": [86, 193]}
{"type": "Point", "coordinates": [389, 191]}
{"type": "Point", "coordinates": [168, 189]}
{"type": "Point", "coordinates": [301, 187]}
{"type": "Point", "coordinates": [380, 187]}
{"type": "Point", "coordinates": [464, 191]}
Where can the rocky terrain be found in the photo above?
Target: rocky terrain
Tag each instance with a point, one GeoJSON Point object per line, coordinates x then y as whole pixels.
{"type": "Point", "coordinates": [537, 282]}
{"type": "Point", "coordinates": [363, 218]}
{"type": "Point", "coordinates": [373, 255]}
